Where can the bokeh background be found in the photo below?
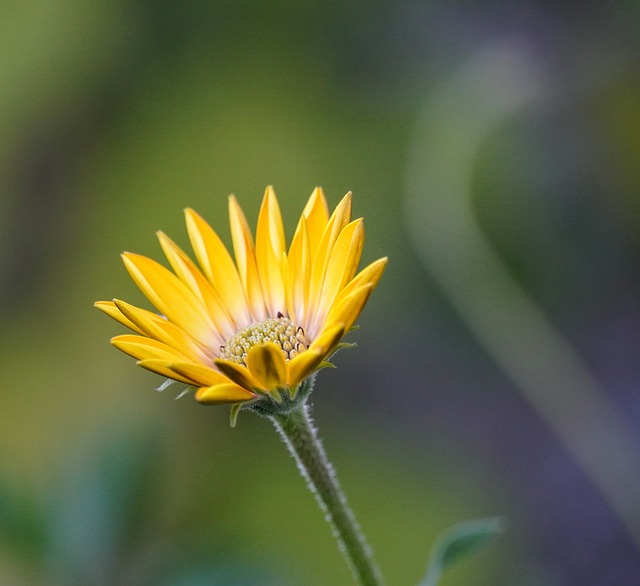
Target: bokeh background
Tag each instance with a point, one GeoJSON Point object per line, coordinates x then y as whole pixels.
{"type": "Point", "coordinates": [494, 150]}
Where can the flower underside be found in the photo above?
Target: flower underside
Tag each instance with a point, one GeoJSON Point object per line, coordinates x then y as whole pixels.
{"type": "Point", "coordinates": [263, 321]}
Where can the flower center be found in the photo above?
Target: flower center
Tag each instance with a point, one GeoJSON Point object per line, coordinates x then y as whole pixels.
{"type": "Point", "coordinates": [280, 330]}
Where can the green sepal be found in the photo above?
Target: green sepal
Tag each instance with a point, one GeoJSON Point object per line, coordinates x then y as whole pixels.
{"type": "Point", "coordinates": [342, 345]}
{"type": "Point", "coordinates": [293, 391]}
{"type": "Point", "coordinates": [460, 542]}
{"type": "Point", "coordinates": [326, 364]}
{"type": "Point", "coordinates": [233, 414]}
{"type": "Point", "coordinates": [273, 395]}
{"type": "Point", "coordinates": [305, 388]}
{"type": "Point", "coordinates": [280, 401]}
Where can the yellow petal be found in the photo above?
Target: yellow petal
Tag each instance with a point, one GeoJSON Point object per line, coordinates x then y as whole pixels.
{"type": "Point", "coordinates": [340, 269]}
{"type": "Point", "coordinates": [316, 214]}
{"type": "Point", "coordinates": [171, 297]}
{"type": "Point", "coordinates": [196, 281]}
{"type": "Point", "coordinates": [339, 219]}
{"type": "Point", "coordinates": [238, 374]}
{"type": "Point", "coordinates": [270, 246]}
{"type": "Point", "coordinates": [246, 260]}
{"type": "Point", "coordinates": [328, 338]}
{"type": "Point", "coordinates": [224, 393]}
{"type": "Point", "coordinates": [305, 363]}
{"type": "Point", "coordinates": [267, 364]}
{"type": "Point", "coordinates": [370, 275]}
{"type": "Point", "coordinates": [158, 328]}
{"type": "Point", "coordinates": [204, 376]}
{"type": "Point", "coordinates": [298, 272]}
{"type": "Point", "coordinates": [142, 348]}
{"type": "Point", "coordinates": [349, 308]}
{"type": "Point", "coordinates": [109, 307]}
{"type": "Point", "coordinates": [163, 368]}
{"type": "Point", "coordinates": [218, 266]}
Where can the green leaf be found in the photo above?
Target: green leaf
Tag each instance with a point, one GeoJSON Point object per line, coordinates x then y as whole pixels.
{"type": "Point", "coordinates": [458, 543]}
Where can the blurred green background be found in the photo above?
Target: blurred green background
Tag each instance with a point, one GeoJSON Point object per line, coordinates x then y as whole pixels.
{"type": "Point", "coordinates": [117, 115]}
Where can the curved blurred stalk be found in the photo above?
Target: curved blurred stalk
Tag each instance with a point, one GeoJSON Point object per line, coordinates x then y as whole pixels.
{"type": "Point", "coordinates": [455, 121]}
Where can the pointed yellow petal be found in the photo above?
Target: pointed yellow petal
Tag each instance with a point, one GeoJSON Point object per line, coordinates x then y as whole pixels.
{"type": "Point", "coordinates": [348, 309]}
{"type": "Point", "coordinates": [204, 376]}
{"type": "Point", "coordinates": [370, 275]}
{"type": "Point", "coordinates": [109, 307]}
{"type": "Point", "coordinates": [267, 364]}
{"type": "Point", "coordinates": [289, 287]}
{"type": "Point", "coordinates": [305, 363]}
{"type": "Point", "coordinates": [218, 266]}
{"type": "Point", "coordinates": [270, 245]}
{"type": "Point", "coordinates": [328, 338]}
{"type": "Point", "coordinates": [246, 260]}
{"type": "Point", "coordinates": [171, 297]}
{"type": "Point", "coordinates": [339, 219]}
{"type": "Point", "coordinates": [196, 281]}
{"type": "Point", "coordinates": [298, 273]}
{"type": "Point", "coordinates": [238, 374]}
{"type": "Point", "coordinates": [340, 269]}
{"type": "Point", "coordinates": [142, 348]}
{"type": "Point", "coordinates": [316, 214]}
{"type": "Point", "coordinates": [158, 328]}
{"type": "Point", "coordinates": [224, 393]}
{"type": "Point", "coordinates": [163, 368]}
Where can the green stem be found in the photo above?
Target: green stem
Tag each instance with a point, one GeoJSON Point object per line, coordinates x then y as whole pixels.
{"type": "Point", "coordinates": [300, 436]}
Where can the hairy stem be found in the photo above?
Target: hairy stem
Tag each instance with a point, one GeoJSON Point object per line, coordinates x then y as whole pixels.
{"type": "Point", "coordinates": [301, 438]}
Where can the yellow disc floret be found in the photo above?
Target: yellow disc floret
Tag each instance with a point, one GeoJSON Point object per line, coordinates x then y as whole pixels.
{"type": "Point", "coordinates": [280, 330]}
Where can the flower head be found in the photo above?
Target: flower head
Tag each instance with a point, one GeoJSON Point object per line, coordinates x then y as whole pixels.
{"type": "Point", "coordinates": [257, 325]}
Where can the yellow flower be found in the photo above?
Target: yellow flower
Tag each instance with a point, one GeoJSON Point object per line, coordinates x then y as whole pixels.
{"type": "Point", "coordinates": [256, 326]}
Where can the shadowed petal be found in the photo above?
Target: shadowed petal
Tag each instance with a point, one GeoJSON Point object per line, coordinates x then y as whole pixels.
{"type": "Point", "coordinates": [224, 393]}
{"type": "Point", "coordinates": [238, 374]}
{"type": "Point", "coordinates": [163, 367]}
{"type": "Point", "coordinates": [267, 364]}
{"type": "Point", "coordinates": [305, 363]}
{"type": "Point", "coordinates": [204, 376]}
